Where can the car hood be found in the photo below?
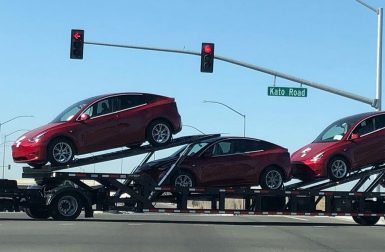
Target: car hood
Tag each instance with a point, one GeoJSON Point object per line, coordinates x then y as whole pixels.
{"type": "Point", "coordinates": [309, 151]}
{"type": "Point", "coordinates": [44, 128]}
{"type": "Point", "coordinates": [157, 164]}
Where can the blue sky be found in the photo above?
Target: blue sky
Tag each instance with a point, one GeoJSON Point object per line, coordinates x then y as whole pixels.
{"type": "Point", "coordinates": [331, 42]}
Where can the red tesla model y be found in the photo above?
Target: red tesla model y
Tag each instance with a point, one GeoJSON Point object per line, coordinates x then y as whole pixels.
{"type": "Point", "coordinates": [100, 123]}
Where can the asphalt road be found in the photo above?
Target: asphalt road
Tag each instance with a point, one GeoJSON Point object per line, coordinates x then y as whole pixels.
{"type": "Point", "coordinates": [164, 232]}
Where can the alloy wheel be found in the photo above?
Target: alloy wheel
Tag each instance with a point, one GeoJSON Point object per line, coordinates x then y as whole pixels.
{"type": "Point", "coordinates": [339, 168]}
{"type": "Point", "coordinates": [273, 179]}
{"type": "Point", "coordinates": [161, 133]}
{"type": "Point", "coordinates": [62, 152]}
{"type": "Point", "coordinates": [183, 181]}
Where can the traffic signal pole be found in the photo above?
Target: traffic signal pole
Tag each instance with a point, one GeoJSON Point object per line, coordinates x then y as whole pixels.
{"type": "Point", "coordinates": [375, 103]}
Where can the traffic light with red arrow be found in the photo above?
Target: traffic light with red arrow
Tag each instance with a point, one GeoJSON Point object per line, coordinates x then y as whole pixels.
{"type": "Point", "coordinates": [77, 44]}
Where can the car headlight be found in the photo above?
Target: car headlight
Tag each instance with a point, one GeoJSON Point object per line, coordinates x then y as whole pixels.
{"type": "Point", "coordinates": [317, 157]}
{"type": "Point", "coordinates": [18, 141]}
{"type": "Point", "coordinates": [36, 138]}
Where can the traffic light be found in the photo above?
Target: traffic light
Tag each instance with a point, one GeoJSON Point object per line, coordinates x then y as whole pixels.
{"type": "Point", "coordinates": [77, 43]}
{"type": "Point", "coordinates": [207, 58]}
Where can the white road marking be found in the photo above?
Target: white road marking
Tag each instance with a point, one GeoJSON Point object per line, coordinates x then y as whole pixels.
{"type": "Point", "coordinates": [66, 224]}
{"type": "Point", "coordinates": [134, 224]}
{"type": "Point", "coordinates": [295, 218]}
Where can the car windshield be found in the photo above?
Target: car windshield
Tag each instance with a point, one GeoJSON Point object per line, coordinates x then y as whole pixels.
{"type": "Point", "coordinates": [69, 112]}
{"type": "Point", "coordinates": [335, 131]}
{"type": "Point", "coordinates": [196, 148]}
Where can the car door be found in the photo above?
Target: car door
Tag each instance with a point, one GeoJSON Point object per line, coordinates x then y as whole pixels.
{"type": "Point", "coordinates": [223, 165]}
{"type": "Point", "coordinates": [100, 131]}
{"type": "Point", "coordinates": [367, 148]}
{"type": "Point", "coordinates": [131, 118]}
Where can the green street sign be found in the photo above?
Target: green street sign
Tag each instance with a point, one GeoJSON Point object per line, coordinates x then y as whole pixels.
{"type": "Point", "coordinates": [286, 91]}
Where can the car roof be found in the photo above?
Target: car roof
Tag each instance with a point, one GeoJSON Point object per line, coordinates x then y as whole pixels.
{"type": "Point", "coordinates": [125, 93]}
{"type": "Point", "coordinates": [215, 139]}
{"type": "Point", "coordinates": [361, 116]}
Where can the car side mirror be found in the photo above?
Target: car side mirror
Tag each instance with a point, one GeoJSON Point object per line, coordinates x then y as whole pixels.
{"type": "Point", "coordinates": [84, 117]}
{"type": "Point", "coordinates": [355, 136]}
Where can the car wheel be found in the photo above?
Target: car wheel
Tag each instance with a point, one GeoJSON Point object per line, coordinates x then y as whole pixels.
{"type": "Point", "coordinates": [60, 151]}
{"type": "Point", "coordinates": [366, 220]}
{"type": "Point", "coordinates": [38, 212]}
{"type": "Point", "coordinates": [337, 168]}
{"type": "Point", "coordinates": [272, 178]}
{"type": "Point", "coordinates": [66, 206]}
{"type": "Point", "coordinates": [159, 133]}
{"type": "Point", "coordinates": [183, 180]}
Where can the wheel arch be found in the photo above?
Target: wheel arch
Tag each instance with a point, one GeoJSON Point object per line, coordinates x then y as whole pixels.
{"type": "Point", "coordinates": [285, 176]}
{"type": "Point", "coordinates": [75, 150]}
{"type": "Point", "coordinates": [174, 174]}
{"type": "Point", "coordinates": [338, 154]}
{"type": "Point", "coordinates": [57, 192]}
{"type": "Point", "coordinates": [161, 118]}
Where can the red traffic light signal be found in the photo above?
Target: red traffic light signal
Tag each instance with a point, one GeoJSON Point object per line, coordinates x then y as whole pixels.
{"type": "Point", "coordinates": [207, 58]}
{"type": "Point", "coordinates": [77, 44]}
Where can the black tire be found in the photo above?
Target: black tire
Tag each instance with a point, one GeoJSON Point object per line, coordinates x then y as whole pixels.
{"type": "Point", "coordinates": [366, 220]}
{"type": "Point", "coordinates": [183, 179]}
{"type": "Point", "coordinates": [37, 165]}
{"type": "Point", "coordinates": [38, 212]}
{"type": "Point", "coordinates": [159, 133]}
{"type": "Point", "coordinates": [338, 168]}
{"type": "Point", "coordinates": [271, 178]}
{"type": "Point", "coordinates": [61, 151]}
{"type": "Point", "coordinates": [66, 206]}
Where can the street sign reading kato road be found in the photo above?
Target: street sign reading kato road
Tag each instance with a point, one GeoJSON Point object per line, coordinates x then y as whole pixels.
{"type": "Point", "coordinates": [286, 91]}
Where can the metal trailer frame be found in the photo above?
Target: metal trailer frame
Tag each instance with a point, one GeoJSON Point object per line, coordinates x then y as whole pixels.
{"type": "Point", "coordinates": [140, 193]}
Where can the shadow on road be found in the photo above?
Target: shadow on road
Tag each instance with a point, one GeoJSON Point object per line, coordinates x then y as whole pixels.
{"type": "Point", "coordinates": [200, 222]}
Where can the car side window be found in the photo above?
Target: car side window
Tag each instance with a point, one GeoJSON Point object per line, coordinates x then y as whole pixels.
{"type": "Point", "coordinates": [365, 127]}
{"type": "Point", "coordinates": [245, 145]}
{"type": "Point", "coordinates": [100, 108]}
{"type": "Point", "coordinates": [222, 148]}
{"type": "Point", "coordinates": [128, 101]}
{"type": "Point", "coordinates": [379, 122]}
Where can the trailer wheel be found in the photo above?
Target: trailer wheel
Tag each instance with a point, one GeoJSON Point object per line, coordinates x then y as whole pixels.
{"type": "Point", "coordinates": [38, 212]}
{"type": "Point", "coordinates": [159, 133]}
{"type": "Point", "coordinates": [338, 168]}
{"type": "Point", "coordinates": [66, 206]}
{"type": "Point", "coordinates": [272, 178]}
{"type": "Point", "coordinates": [366, 220]}
{"type": "Point", "coordinates": [60, 151]}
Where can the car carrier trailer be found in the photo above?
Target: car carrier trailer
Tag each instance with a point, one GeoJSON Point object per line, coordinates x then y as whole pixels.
{"type": "Point", "coordinates": [63, 195]}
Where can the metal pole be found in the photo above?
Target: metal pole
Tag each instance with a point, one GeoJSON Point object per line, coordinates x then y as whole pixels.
{"type": "Point", "coordinates": [227, 106]}
{"type": "Point", "coordinates": [313, 84]}
{"type": "Point", "coordinates": [244, 125]}
{"type": "Point", "coordinates": [5, 138]}
{"type": "Point", "coordinates": [379, 60]}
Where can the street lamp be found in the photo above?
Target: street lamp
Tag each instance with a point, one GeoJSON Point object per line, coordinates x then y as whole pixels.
{"type": "Point", "coordinates": [379, 52]}
{"type": "Point", "coordinates": [185, 125]}
{"type": "Point", "coordinates": [5, 141]}
{"type": "Point", "coordinates": [1, 123]}
{"type": "Point", "coordinates": [227, 106]}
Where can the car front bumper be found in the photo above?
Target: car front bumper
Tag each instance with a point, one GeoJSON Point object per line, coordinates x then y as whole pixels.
{"type": "Point", "coordinates": [26, 152]}
{"type": "Point", "coordinates": [308, 170]}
